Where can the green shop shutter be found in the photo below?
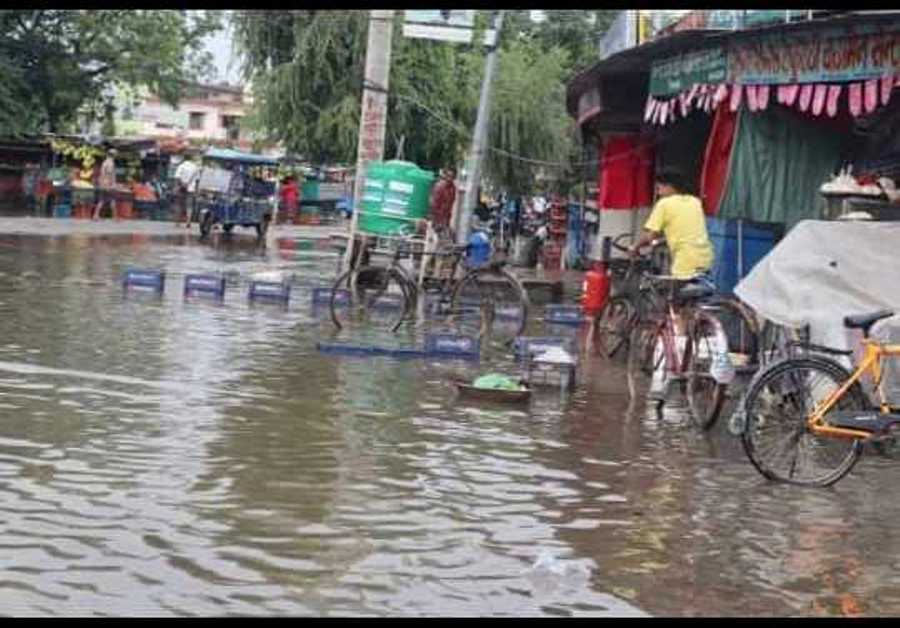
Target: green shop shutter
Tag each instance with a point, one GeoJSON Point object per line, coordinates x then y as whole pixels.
{"type": "Point", "coordinates": [778, 162]}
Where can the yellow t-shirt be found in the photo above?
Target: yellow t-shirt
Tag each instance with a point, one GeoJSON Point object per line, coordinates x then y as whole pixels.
{"type": "Point", "coordinates": [680, 218]}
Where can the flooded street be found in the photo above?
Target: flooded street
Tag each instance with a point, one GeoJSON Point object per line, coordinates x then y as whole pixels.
{"type": "Point", "coordinates": [172, 457]}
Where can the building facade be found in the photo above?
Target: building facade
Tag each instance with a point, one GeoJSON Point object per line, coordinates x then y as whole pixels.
{"type": "Point", "coordinates": [213, 113]}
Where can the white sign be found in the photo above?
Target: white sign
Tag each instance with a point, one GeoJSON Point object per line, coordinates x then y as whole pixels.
{"type": "Point", "coordinates": [459, 19]}
{"type": "Point", "coordinates": [453, 26]}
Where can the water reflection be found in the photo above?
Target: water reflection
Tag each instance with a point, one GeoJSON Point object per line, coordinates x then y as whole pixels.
{"type": "Point", "coordinates": [172, 457]}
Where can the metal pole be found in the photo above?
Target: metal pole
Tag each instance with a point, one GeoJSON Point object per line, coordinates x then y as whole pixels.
{"type": "Point", "coordinates": [373, 112]}
{"type": "Point", "coordinates": [479, 141]}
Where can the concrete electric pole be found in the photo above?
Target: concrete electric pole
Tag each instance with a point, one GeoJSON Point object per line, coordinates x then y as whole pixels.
{"type": "Point", "coordinates": [479, 141]}
{"type": "Point", "coordinates": [373, 113]}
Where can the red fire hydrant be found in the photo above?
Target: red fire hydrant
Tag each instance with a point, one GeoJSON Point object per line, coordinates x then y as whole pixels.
{"type": "Point", "coordinates": [595, 289]}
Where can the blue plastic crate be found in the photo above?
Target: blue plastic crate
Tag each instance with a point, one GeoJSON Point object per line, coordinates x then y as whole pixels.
{"type": "Point", "coordinates": [389, 302]}
{"type": "Point", "coordinates": [204, 284]}
{"type": "Point", "coordinates": [399, 352]}
{"type": "Point", "coordinates": [270, 291]}
{"type": "Point", "coordinates": [452, 345]}
{"type": "Point", "coordinates": [144, 278]}
{"type": "Point", "coordinates": [525, 344]}
{"type": "Point", "coordinates": [344, 348]}
{"type": "Point", "coordinates": [564, 314]}
{"type": "Point", "coordinates": [508, 312]}
{"type": "Point", "coordinates": [62, 211]}
{"type": "Point", "coordinates": [322, 296]}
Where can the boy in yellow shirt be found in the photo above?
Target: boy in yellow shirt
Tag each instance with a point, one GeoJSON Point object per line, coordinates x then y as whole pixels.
{"type": "Point", "coordinates": [679, 216]}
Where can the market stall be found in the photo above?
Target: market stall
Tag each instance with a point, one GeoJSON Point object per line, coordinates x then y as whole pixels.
{"type": "Point", "coordinates": [23, 166]}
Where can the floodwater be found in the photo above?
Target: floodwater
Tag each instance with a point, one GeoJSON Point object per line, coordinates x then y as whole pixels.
{"type": "Point", "coordinates": [171, 457]}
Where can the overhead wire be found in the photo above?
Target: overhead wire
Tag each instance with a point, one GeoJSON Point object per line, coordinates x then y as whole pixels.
{"type": "Point", "coordinates": [454, 125]}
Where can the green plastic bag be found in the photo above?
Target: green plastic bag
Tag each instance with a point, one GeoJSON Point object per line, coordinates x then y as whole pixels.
{"type": "Point", "coordinates": [496, 381]}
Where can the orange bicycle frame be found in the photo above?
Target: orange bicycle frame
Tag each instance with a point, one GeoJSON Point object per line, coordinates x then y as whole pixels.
{"type": "Point", "coordinates": [874, 353]}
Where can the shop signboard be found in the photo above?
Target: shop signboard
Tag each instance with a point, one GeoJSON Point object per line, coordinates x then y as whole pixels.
{"type": "Point", "coordinates": [677, 74]}
{"type": "Point", "coordinates": [851, 53]}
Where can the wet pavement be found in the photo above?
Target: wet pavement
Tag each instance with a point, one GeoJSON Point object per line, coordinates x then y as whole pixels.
{"type": "Point", "coordinates": [172, 457]}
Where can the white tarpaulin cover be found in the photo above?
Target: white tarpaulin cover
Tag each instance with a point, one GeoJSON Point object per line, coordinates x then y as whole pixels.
{"type": "Point", "coordinates": [823, 271]}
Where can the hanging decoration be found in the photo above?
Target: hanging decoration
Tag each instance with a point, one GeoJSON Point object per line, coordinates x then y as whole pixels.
{"type": "Point", "coordinates": [818, 102]}
{"type": "Point", "coordinates": [834, 92]}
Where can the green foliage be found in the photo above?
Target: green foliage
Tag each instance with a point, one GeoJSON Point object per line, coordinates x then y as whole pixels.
{"type": "Point", "coordinates": [436, 76]}
{"type": "Point", "coordinates": [528, 114]}
{"type": "Point", "coordinates": [73, 57]}
{"type": "Point", "coordinates": [306, 69]}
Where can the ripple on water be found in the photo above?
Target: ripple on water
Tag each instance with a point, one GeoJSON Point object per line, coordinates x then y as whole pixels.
{"type": "Point", "coordinates": [163, 457]}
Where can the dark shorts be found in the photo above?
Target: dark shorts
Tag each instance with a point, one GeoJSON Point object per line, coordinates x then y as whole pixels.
{"type": "Point", "coordinates": [104, 196]}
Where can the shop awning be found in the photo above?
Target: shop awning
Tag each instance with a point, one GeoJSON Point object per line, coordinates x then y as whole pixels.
{"type": "Point", "coordinates": [227, 154]}
{"type": "Point", "coordinates": [634, 61]}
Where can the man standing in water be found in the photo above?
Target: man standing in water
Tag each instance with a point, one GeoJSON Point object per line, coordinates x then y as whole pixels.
{"type": "Point", "coordinates": [678, 215]}
{"type": "Point", "coordinates": [106, 184]}
{"type": "Point", "coordinates": [187, 175]}
{"type": "Point", "coordinates": [443, 198]}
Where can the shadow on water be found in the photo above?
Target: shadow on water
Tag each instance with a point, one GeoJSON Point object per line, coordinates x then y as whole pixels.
{"type": "Point", "coordinates": [163, 456]}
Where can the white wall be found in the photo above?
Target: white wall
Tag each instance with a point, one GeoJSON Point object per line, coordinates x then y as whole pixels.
{"type": "Point", "coordinates": [614, 222]}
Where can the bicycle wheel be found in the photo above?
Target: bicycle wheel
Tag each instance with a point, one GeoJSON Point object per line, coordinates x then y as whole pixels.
{"type": "Point", "coordinates": [645, 348]}
{"type": "Point", "coordinates": [776, 437]}
{"type": "Point", "coordinates": [378, 298]}
{"type": "Point", "coordinates": [613, 326]}
{"type": "Point", "coordinates": [705, 395]}
{"type": "Point", "coordinates": [647, 355]}
{"type": "Point", "coordinates": [489, 301]}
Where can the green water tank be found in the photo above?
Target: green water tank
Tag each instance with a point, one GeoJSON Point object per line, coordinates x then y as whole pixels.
{"type": "Point", "coordinates": [310, 190]}
{"type": "Point", "coordinates": [395, 193]}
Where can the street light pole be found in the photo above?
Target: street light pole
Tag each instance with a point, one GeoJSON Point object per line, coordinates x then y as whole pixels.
{"type": "Point", "coordinates": [479, 141]}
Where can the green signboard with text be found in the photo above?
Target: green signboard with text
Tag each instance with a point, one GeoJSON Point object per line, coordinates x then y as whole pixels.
{"type": "Point", "coordinates": [679, 73]}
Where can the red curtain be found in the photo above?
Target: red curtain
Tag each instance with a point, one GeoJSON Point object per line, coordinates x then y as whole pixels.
{"type": "Point", "coordinates": [716, 159]}
{"type": "Point", "coordinates": [626, 173]}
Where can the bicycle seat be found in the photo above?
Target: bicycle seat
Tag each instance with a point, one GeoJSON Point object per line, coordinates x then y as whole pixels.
{"type": "Point", "coordinates": [696, 292]}
{"type": "Point", "coordinates": [670, 279]}
{"type": "Point", "coordinates": [865, 321]}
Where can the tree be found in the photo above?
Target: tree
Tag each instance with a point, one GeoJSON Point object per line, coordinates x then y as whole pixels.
{"type": "Point", "coordinates": [529, 116]}
{"type": "Point", "coordinates": [73, 58]}
{"type": "Point", "coordinates": [306, 68]}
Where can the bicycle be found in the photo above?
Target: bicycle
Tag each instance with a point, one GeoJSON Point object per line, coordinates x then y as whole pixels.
{"type": "Point", "coordinates": [632, 299]}
{"type": "Point", "coordinates": [489, 291]}
{"type": "Point", "coordinates": [818, 411]}
{"type": "Point", "coordinates": [655, 350]}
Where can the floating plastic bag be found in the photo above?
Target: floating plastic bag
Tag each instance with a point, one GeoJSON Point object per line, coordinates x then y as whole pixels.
{"type": "Point", "coordinates": [496, 381]}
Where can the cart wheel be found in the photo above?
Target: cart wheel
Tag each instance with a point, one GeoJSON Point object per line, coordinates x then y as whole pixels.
{"type": "Point", "coordinates": [206, 224]}
{"type": "Point", "coordinates": [263, 227]}
{"type": "Point", "coordinates": [227, 228]}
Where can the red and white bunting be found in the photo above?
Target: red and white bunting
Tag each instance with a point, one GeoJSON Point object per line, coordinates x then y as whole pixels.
{"type": "Point", "coordinates": [648, 109]}
{"type": "Point", "coordinates": [834, 92]}
{"type": "Point", "coordinates": [818, 102]}
{"type": "Point", "coordinates": [762, 97]}
{"type": "Point", "coordinates": [871, 95]}
{"type": "Point", "coordinates": [856, 98]}
{"type": "Point", "coordinates": [887, 86]}
{"type": "Point", "coordinates": [737, 91]}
